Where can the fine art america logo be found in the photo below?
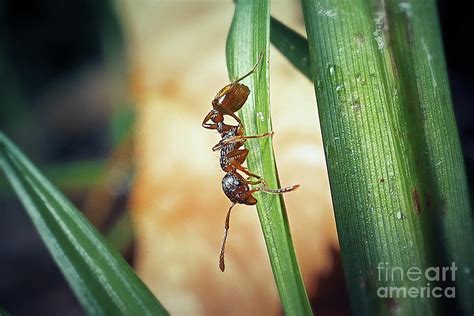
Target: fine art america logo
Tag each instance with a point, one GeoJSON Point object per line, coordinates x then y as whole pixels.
{"type": "Point", "coordinates": [430, 278]}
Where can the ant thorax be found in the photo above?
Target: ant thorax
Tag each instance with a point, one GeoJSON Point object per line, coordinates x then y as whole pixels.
{"type": "Point", "coordinates": [226, 149]}
{"type": "Point", "coordinates": [220, 127]}
{"type": "Point", "coordinates": [227, 131]}
{"type": "Point", "coordinates": [230, 132]}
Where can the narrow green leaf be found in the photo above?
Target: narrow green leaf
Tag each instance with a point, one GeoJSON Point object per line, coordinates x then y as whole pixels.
{"type": "Point", "coordinates": [69, 176]}
{"type": "Point", "coordinates": [103, 282]}
{"type": "Point", "coordinates": [292, 45]}
{"type": "Point", "coordinates": [394, 161]}
{"type": "Point", "coordinates": [249, 37]}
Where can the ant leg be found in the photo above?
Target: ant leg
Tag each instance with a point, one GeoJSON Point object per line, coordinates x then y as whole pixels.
{"type": "Point", "coordinates": [226, 231]}
{"type": "Point", "coordinates": [238, 166]}
{"type": "Point", "coordinates": [238, 139]}
{"type": "Point", "coordinates": [206, 119]}
{"type": "Point", "coordinates": [260, 57]}
{"type": "Point", "coordinates": [239, 156]}
{"type": "Point", "coordinates": [266, 189]}
{"type": "Point", "coordinates": [255, 182]}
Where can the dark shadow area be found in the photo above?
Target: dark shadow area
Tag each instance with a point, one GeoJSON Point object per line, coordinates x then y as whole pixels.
{"type": "Point", "coordinates": [456, 18]}
{"type": "Point", "coordinates": [331, 297]}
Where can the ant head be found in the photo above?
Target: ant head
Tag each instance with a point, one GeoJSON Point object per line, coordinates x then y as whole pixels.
{"type": "Point", "coordinates": [217, 117]}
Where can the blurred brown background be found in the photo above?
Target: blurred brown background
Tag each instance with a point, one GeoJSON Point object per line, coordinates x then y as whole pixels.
{"type": "Point", "coordinates": [177, 204]}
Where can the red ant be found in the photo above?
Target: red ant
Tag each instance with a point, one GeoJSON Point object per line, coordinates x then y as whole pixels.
{"type": "Point", "coordinates": [229, 100]}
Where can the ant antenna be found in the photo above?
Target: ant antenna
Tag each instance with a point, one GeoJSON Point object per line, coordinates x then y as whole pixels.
{"type": "Point", "coordinates": [226, 231]}
{"type": "Point", "coordinates": [260, 57]}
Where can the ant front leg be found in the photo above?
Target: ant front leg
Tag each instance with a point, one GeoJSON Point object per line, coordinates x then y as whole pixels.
{"type": "Point", "coordinates": [208, 117]}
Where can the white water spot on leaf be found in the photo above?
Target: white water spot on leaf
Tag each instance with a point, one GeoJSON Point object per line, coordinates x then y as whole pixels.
{"type": "Point", "coordinates": [359, 40]}
{"type": "Point", "coordinates": [260, 116]}
{"type": "Point", "coordinates": [405, 7]}
{"type": "Point", "coordinates": [379, 28]}
{"type": "Point", "coordinates": [327, 12]}
{"type": "Point", "coordinates": [400, 215]}
{"type": "Point", "coordinates": [379, 39]}
{"type": "Point", "coordinates": [379, 19]}
{"type": "Point", "coordinates": [430, 62]}
{"type": "Point", "coordinates": [356, 105]}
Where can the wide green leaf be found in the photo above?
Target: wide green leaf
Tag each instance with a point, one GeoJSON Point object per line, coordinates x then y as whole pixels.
{"type": "Point", "coordinates": [248, 38]}
{"type": "Point", "coordinates": [101, 279]}
{"type": "Point", "coordinates": [394, 160]}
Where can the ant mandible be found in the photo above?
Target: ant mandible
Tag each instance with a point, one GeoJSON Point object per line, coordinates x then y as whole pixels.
{"type": "Point", "coordinates": [229, 100]}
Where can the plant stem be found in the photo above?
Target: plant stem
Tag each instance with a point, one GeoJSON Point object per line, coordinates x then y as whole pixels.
{"type": "Point", "coordinates": [248, 37]}
{"type": "Point", "coordinates": [394, 160]}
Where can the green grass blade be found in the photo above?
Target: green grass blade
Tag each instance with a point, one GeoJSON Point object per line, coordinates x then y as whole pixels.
{"type": "Point", "coordinates": [394, 161]}
{"type": "Point", "coordinates": [70, 176]}
{"type": "Point", "coordinates": [248, 37]}
{"type": "Point", "coordinates": [292, 45]}
{"type": "Point", "coordinates": [425, 88]}
{"type": "Point", "coordinates": [103, 282]}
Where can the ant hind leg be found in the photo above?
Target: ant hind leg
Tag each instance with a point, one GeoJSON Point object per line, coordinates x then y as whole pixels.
{"type": "Point", "coordinates": [266, 189]}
